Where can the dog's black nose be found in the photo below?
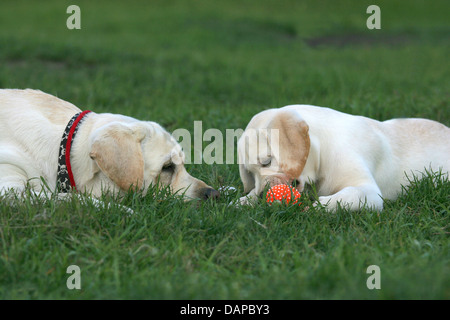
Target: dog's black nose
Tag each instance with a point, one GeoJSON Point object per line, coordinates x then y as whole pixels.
{"type": "Point", "coordinates": [210, 193]}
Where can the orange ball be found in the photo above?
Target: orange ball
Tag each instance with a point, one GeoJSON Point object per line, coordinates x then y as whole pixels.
{"type": "Point", "coordinates": [283, 193]}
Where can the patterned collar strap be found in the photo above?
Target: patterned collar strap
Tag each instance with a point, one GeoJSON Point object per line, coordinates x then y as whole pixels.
{"type": "Point", "coordinates": [65, 180]}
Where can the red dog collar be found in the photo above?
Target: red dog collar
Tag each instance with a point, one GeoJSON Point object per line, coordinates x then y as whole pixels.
{"type": "Point", "coordinates": [64, 179]}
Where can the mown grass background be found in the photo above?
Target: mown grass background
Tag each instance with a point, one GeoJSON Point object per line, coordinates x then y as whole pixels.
{"type": "Point", "coordinates": [221, 62]}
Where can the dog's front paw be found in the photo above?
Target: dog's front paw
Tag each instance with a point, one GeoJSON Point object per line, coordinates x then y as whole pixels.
{"type": "Point", "coordinates": [323, 202]}
{"type": "Point", "coordinates": [329, 203]}
{"type": "Point", "coordinates": [243, 201]}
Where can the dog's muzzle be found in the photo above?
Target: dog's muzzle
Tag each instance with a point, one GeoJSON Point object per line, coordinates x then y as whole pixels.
{"type": "Point", "coordinates": [209, 193]}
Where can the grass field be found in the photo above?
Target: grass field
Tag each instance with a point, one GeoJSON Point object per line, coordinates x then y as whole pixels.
{"type": "Point", "coordinates": [221, 62]}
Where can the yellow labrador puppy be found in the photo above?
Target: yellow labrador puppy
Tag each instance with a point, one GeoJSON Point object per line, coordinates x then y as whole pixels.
{"type": "Point", "coordinates": [353, 160]}
{"type": "Point", "coordinates": [42, 136]}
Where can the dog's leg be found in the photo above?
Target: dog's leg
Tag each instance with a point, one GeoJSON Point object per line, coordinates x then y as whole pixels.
{"type": "Point", "coordinates": [102, 205]}
{"type": "Point", "coordinates": [12, 179]}
{"type": "Point", "coordinates": [90, 200]}
{"type": "Point", "coordinates": [354, 198]}
{"type": "Point", "coordinates": [15, 188]}
{"type": "Point", "coordinates": [249, 198]}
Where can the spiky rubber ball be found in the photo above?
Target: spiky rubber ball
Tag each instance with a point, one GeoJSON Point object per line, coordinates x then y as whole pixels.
{"type": "Point", "coordinates": [283, 193]}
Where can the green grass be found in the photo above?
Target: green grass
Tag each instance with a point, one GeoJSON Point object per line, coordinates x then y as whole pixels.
{"type": "Point", "coordinates": [222, 62]}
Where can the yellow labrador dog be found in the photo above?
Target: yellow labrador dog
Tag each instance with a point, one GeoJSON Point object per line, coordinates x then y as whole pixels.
{"type": "Point", "coordinates": [42, 136]}
{"type": "Point", "coordinates": [353, 160]}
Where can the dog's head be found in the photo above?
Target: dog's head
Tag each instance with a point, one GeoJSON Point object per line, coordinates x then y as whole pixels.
{"type": "Point", "coordinates": [141, 153]}
{"type": "Point", "coordinates": [273, 149]}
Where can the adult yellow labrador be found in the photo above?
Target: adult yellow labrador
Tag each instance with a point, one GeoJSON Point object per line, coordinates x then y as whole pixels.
{"type": "Point", "coordinates": [353, 160]}
{"type": "Point", "coordinates": [42, 136]}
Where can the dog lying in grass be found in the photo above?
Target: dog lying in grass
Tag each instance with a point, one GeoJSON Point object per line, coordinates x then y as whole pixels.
{"type": "Point", "coordinates": [354, 161]}
{"type": "Point", "coordinates": [44, 137]}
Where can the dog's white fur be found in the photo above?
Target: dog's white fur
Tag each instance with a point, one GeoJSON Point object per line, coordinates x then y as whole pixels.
{"type": "Point", "coordinates": [110, 152]}
{"type": "Point", "coordinates": [353, 160]}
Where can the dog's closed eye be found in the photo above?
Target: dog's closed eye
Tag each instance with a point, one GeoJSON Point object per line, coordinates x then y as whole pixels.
{"type": "Point", "coordinates": [266, 162]}
{"type": "Point", "coordinates": [168, 167]}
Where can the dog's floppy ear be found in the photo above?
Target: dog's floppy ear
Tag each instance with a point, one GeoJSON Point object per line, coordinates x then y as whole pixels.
{"type": "Point", "coordinates": [116, 148]}
{"type": "Point", "coordinates": [293, 142]}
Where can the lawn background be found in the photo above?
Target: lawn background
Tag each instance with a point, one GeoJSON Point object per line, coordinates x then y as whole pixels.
{"type": "Point", "coordinates": [221, 62]}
